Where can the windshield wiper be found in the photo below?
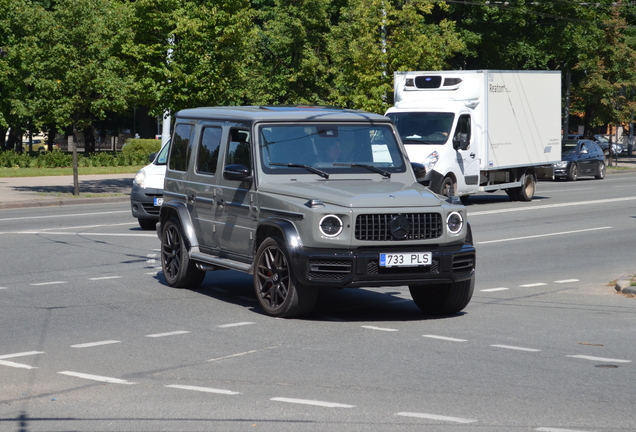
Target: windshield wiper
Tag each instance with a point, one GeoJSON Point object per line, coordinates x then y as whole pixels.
{"type": "Point", "coordinates": [307, 167]}
{"type": "Point", "coordinates": [369, 167]}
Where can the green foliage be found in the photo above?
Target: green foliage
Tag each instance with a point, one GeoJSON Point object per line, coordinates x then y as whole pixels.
{"type": "Point", "coordinates": [146, 146]}
{"type": "Point", "coordinates": [11, 159]}
{"type": "Point", "coordinates": [54, 159]}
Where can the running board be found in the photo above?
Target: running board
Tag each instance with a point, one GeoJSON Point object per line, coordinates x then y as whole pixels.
{"type": "Point", "coordinates": [225, 263]}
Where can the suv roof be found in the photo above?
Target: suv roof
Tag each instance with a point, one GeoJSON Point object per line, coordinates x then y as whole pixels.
{"type": "Point", "coordinates": [268, 113]}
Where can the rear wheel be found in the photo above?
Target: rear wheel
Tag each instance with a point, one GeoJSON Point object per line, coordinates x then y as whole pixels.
{"type": "Point", "coordinates": [443, 299]}
{"type": "Point", "coordinates": [178, 269]}
{"type": "Point", "coordinates": [600, 173]}
{"type": "Point", "coordinates": [573, 172]}
{"type": "Point", "coordinates": [527, 189]}
{"type": "Point", "coordinates": [274, 283]}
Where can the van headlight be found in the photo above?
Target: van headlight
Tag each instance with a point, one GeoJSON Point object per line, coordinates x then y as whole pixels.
{"type": "Point", "coordinates": [430, 161]}
{"type": "Point", "coordinates": [331, 225]}
{"type": "Point", "coordinates": [140, 179]}
{"type": "Point", "coordinates": [454, 222]}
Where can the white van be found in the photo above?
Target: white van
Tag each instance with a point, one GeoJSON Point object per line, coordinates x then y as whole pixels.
{"type": "Point", "coordinates": [146, 195]}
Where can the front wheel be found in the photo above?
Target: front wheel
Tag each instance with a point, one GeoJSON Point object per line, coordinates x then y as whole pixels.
{"type": "Point", "coordinates": [276, 289]}
{"type": "Point", "coordinates": [600, 174]}
{"type": "Point", "coordinates": [178, 269]}
{"type": "Point", "coordinates": [443, 299]}
{"type": "Point", "coordinates": [448, 187]}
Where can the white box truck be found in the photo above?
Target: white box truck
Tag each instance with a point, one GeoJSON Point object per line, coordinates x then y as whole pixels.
{"type": "Point", "coordinates": [482, 130]}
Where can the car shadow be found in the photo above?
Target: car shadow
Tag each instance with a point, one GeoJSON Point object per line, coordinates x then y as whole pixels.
{"type": "Point", "coordinates": [347, 305]}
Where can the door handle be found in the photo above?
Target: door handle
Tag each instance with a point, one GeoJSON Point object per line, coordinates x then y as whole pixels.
{"type": "Point", "coordinates": [191, 199]}
{"type": "Point", "coordinates": [472, 155]}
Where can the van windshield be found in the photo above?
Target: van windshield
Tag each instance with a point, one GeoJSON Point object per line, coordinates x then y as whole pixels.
{"type": "Point", "coordinates": [423, 127]}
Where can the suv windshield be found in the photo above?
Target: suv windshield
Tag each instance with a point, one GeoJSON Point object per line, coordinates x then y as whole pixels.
{"type": "Point", "coordinates": [320, 148]}
{"type": "Point", "coordinates": [423, 127]}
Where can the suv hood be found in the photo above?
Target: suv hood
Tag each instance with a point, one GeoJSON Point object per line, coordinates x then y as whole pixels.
{"type": "Point", "coordinates": [357, 193]}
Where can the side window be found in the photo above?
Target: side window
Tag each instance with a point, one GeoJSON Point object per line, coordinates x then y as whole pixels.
{"type": "Point", "coordinates": [238, 151]}
{"type": "Point", "coordinates": [463, 126]}
{"type": "Point", "coordinates": [208, 154]}
{"type": "Point", "coordinates": [180, 147]}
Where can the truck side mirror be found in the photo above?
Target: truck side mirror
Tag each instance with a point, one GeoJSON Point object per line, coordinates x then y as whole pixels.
{"type": "Point", "coordinates": [461, 142]}
{"type": "Point", "coordinates": [236, 172]}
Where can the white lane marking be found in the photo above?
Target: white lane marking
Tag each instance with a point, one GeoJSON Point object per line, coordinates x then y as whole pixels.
{"type": "Point", "coordinates": [96, 377]}
{"type": "Point", "coordinates": [235, 324]}
{"type": "Point", "coordinates": [566, 281]}
{"type": "Point", "coordinates": [104, 278]}
{"type": "Point", "coordinates": [495, 289]}
{"type": "Point", "coordinates": [516, 348]}
{"type": "Point", "coordinates": [444, 338]}
{"type": "Point", "coordinates": [544, 235]}
{"type": "Point", "coordinates": [241, 354]}
{"type": "Point", "coordinates": [584, 357]}
{"type": "Point", "coordinates": [48, 283]}
{"type": "Point", "coordinates": [435, 417]}
{"type": "Point", "coordinates": [94, 344]}
{"type": "Point", "coordinates": [84, 234]}
{"type": "Point", "coordinates": [64, 215]}
{"type": "Point", "coordinates": [380, 328]}
{"type": "Point", "coordinates": [22, 354]}
{"type": "Point", "coordinates": [203, 389]}
{"type": "Point", "coordinates": [312, 402]}
{"type": "Point", "coordinates": [549, 206]}
{"type": "Point", "coordinates": [90, 226]}
{"type": "Point", "coordinates": [16, 365]}
{"type": "Point", "coordinates": [178, 332]}
{"type": "Point", "coordinates": [546, 429]}
{"type": "Point", "coordinates": [532, 285]}
{"type": "Point", "coordinates": [3, 287]}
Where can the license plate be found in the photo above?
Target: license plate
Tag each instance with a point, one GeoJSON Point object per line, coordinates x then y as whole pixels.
{"type": "Point", "coordinates": [412, 259]}
{"type": "Point", "coordinates": [158, 202]}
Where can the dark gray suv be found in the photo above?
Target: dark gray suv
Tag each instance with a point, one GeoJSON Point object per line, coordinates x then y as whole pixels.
{"type": "Point", "coordinates": [308, 198]}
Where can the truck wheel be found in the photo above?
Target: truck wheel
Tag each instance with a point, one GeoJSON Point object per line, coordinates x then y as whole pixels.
{"type": "Point", "coordinates": [443, 299]}
{"type": "Point", "coordinates": [178, 269]}
{"type": "Point", "coordinates": [276, 289]}
{"type": "Point", "coordinates": [448, 187]}
{"type": "Point", "coordinates": [573, 172]}
{"type": "Point", "coordinates": [600, 175]}
{"type": "Point", "coordinates": [526, 191]}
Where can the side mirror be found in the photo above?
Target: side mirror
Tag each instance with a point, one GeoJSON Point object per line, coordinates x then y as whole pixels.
{"type": "Point", "coordinates": [152, 157]}
{"type": "Point", "coordinates": [461, 142]}
{"type": "Point", "coordinates": [419, 170]}
{"type": "Point", "coordinates": [236, 172]}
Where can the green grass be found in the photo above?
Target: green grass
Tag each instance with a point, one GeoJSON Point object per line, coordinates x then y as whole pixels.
{"type": "Point", "coordinates": [38, 172]}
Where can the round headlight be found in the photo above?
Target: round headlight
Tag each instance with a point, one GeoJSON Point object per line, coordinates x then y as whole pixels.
{"type": "Point", "coordinates": [331, 225]}
{"type": "Point", "coordinates": [454, 222]}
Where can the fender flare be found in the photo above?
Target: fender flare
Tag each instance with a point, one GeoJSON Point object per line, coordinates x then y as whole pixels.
{"type": "Point", "coordinates": [178, 209]}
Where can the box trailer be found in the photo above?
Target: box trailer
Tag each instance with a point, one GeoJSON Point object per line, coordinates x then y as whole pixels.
{"type": "Point", "coordinates": [482, 130]}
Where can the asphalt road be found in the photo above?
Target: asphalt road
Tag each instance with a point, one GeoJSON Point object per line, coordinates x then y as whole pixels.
{"type": "Point", "coordinates": [93, 340]}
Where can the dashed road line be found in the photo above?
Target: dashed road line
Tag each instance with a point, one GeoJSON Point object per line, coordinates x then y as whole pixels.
{"type": "Point", "coordinates": [567, 281]}
{"type": "Point", "coordinates": [584, 357]}
{"type": "Point", "coordinates": [312, 402]}
{"type": "Point", "coordinates": [450, 339]}
{"type": "Point", "coordinates": [548, 429]}
{"type": "Point", "coordinates": [494, 289]}
{"type": "Point", "coordinates": [379, 328]}
{"type": "Point", "coordinates": [94, 344]}
{"type": "Point", "coordinates": [104, 278]}
{"type": "Point", "coordinates": [203, 389]}
{"type": "Point", "coordinates": [544, 235]}
{"type": "Point", "coordinates": [48, 283]}
{"type": "Point", "coordinates": [3, 362]}
{"type": "Point", "coordinates": [532, 285]}
{"type": "Point", "coordinates": [238, 324]}
{"type": "Point", "coordinates": [109, 380]}
{"type": "Point", "coordinates": [516, 348]}
{"type": "Point", "coordinates": [435, 417]}
{"type": "Point", "coordinates": [174, 333]}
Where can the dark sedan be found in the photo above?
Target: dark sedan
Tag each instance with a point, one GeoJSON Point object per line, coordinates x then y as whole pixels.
{"type": "Point", "coordinates": [580, 158]}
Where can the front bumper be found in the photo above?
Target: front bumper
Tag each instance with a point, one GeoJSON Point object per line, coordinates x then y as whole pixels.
{"type": "Point", "coordinates": [360, 268]}
{"type": "Point", "coordinates": [142, 202]}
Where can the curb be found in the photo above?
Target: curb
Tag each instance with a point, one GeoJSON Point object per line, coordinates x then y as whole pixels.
{"type": "Point", "coordinates": [52, 202]}
{"type": "Point", "coordinates": [624, 285]}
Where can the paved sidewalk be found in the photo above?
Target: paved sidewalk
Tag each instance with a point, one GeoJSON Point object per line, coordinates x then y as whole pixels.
{"type": "Point", "coordinates": [19, 192]}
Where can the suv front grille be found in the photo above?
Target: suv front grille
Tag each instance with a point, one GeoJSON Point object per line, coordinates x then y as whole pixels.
{"type": "Point", "coordinates": [326, 269]}
{"type": "Point", "coordinates": [463, 265]}
{"type": "Point", "coordinates": [375, 227]}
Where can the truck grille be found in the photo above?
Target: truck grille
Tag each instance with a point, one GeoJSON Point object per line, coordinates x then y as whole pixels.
{"type": "Point", "coordinates": [375, 227]}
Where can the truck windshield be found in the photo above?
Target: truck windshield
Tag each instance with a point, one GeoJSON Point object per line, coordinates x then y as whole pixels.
{"type": "Point", "coordinates": [329, 148]}
{"type": "Point", "coordinates": [423, 127]}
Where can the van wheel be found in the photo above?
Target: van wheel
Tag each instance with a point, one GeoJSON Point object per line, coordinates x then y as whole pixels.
{"type": "Point", "coordinates": [448, 187]}
{"type": "Point", "coordinates": [274, 283]}
{"type": "Point", "coordinates": [443, 299]}
{"type": "Point", "coordinates": [178, 269]}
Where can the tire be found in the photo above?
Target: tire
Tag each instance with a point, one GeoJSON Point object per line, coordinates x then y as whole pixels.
{"type": "Point", "coordinates": [147, 224]}
{"type": "Point", "coordinates": [178, 269]}
{"type": "Point", "coordinates": [527, 189]}
{"type": "Point", "coordinates": [573, 172]}
{"type": "Point", "coordinates": [274, 283]}
{"type": "Point", "coordinates": [601, 171]}
{"type": "Point", "coordinates": [448, 187]}
{"type": "Point", "coordinates": [443, 299]}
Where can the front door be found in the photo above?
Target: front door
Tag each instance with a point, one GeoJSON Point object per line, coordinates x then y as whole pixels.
{"type": "Point", "coordinates": [467, 160]}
